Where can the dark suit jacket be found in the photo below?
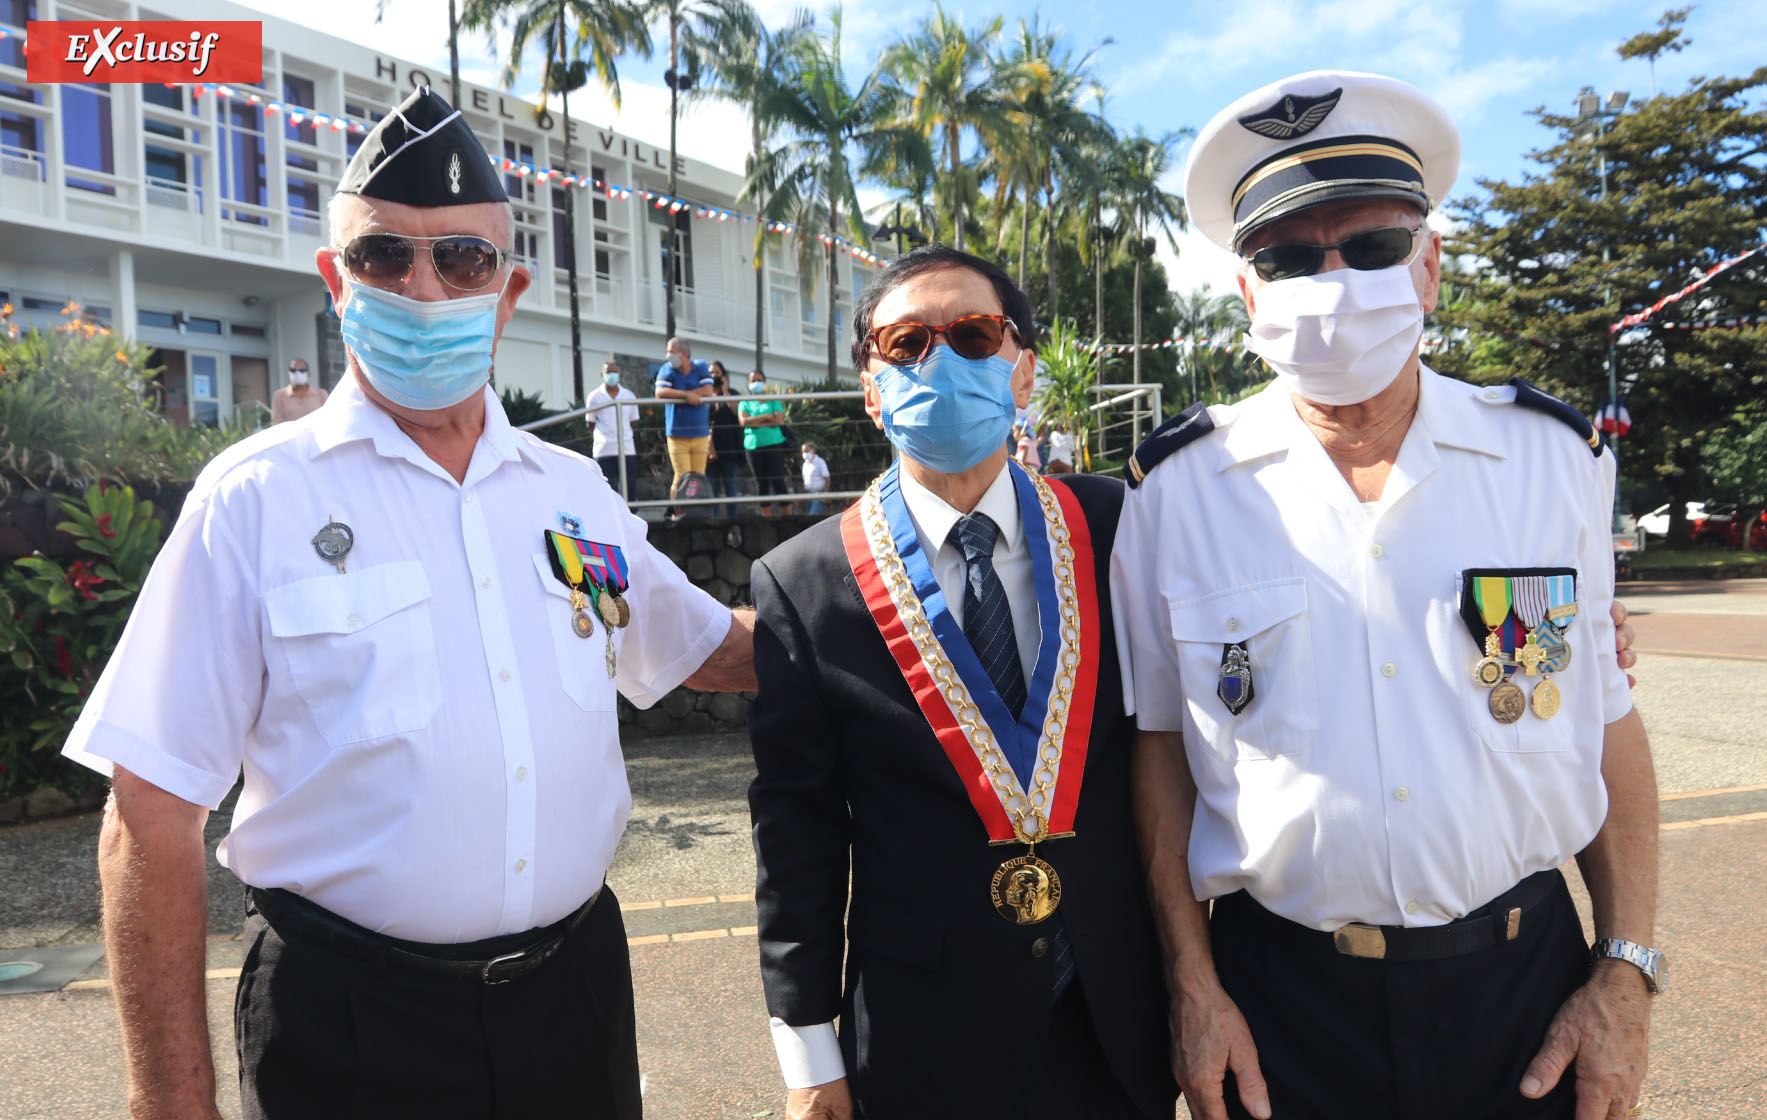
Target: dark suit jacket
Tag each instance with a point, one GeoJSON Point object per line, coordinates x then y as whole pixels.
{"type": "Point", "coordinates": [945, 1006]}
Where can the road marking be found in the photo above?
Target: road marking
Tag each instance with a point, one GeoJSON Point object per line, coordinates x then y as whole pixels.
{"type": "Point", "coordinates": [1738, 819]}
{"type": "Point", "coordinates": [1710, 792]}
{"type": "Point", "coordinates": [1702, 655]}
{"type": "Point", "coordinates": [703, 900]}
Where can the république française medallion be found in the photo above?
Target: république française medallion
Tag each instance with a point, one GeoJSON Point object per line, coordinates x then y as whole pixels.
{"type": "Point", "coordinates": [1507, 702]}
{"type": "Point", "coordinates": [333, 542]}
{"type": "Point", "coordinates": [1545, 699]}
{"type": "Point", "coordinates": [1025, 890]}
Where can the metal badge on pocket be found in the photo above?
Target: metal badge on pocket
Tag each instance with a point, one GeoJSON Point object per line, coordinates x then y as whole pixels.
{"type": "Point", "coordinates": [1234, 685]}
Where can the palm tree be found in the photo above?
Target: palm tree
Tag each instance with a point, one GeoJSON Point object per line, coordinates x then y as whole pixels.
{"type": "Point", "coordinates": [693, 35]}
{"type": "Point", "coordinates": [607, 29]}
{"type": "Point", "coordinates": [1144, 205]}
{"type": "Point", "coordinates": [1205, 319]}
{"type": "Point", "coordinates": [811, 176]}
{"type": "Point", "coordinates": [951, 85]}
{"type": "Point", "coordinates": [454, 26]}
{"type": "Point", "coordinates": [748, 70]}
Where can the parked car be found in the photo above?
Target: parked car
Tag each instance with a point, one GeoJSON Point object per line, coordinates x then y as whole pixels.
{"type": "Point", "coordinates": [1722, 526]}
{"type": "Point", "coordinates": [1656, 522]}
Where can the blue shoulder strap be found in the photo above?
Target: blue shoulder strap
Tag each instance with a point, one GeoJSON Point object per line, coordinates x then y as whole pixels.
{"type": "Point", "coordinates": [1540, 400]}
{"type": "Point", "coordinates": [1187, 427]}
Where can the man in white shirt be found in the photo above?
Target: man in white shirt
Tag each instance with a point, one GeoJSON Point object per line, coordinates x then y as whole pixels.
{"type": "Point", "coordinates": [406, 622]}
{"type": "Point", "coordinates": [1346, 608]}
{"type": "Point", "coordinates": [611, 431]}
{"type": "Point", "coordinates": [815, 476]}
{"type": "Point", "coordinates": [298, 397]}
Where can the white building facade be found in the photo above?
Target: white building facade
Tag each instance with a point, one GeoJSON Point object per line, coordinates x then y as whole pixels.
{"type": "Point", "coordinates": [189, 218]}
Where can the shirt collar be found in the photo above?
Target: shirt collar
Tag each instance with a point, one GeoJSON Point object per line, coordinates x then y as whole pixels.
{"type": "Point", "coordinates": [1448, 414]}
{"type": "Point", "coordinates": [934, 517]}
{"type": "Point", "coordinates": [348, 416]}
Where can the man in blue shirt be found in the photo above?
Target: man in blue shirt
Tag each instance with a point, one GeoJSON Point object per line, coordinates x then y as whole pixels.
{"type": "Point", "coordinates": [686, 426]}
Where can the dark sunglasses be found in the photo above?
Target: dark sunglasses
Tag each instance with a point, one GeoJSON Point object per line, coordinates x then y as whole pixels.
{"type": "Point", "coordinates": [971, 336]}
{"type": "Point", "coordinates": [461, 260]}
{"type": "Point", "coordinates": [1367, 251]}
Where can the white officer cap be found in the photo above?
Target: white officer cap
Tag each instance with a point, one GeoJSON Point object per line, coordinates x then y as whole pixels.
{"type": "Point", "coordinates": [1318, 137]}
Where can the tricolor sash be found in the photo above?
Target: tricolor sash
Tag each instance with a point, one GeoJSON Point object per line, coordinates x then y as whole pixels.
{"type": "Point", "coordinates": [1023, 776]}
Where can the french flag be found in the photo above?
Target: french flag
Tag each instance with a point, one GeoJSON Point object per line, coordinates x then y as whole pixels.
{"type": "Point", "coordinates": [1610, 424]}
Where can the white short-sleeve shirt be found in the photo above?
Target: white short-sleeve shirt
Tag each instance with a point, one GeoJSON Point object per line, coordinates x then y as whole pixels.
{"type": "Point", "coordinates": [602, 413]}
{"type": "Point", "coordinates": [428, 748]}
{"type": "Point", "coordinates": [1367, 781]}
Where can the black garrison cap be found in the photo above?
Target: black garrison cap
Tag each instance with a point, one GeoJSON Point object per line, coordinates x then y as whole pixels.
{"type": "Point", "coordinates": [423, 154]}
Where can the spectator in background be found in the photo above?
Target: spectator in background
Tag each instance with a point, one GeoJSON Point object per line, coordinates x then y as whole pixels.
{"type": "Point", "coordinates": [761, 421]}
{"type": "Point", "coordinates": [815, 476]}
{"type": "Point", "coordinates": [725, 462]}
{"type": "Point", "coordinates": [298, 397]}
{"type": "Point", "coordinates": [611, 431]}
{"type": "Point", "coordinates": [1027, 450]}
{"type": "Point", "coordinates": [1061, 452]}
{"type": "Point", "coordinates": [686, 425]}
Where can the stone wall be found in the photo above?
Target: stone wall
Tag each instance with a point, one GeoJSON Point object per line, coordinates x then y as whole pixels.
{"type": "Point", "coordinates": [716, 554]}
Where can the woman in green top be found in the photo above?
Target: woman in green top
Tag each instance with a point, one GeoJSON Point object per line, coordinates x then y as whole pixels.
{"type": "Point", "coordinates": [761, 437]}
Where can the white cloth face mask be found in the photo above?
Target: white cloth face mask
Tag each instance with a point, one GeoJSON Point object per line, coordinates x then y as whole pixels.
{"type": "Point", "coordinates": [1338, 337]}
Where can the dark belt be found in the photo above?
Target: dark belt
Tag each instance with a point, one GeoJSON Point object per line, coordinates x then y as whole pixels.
{"type": "Point", "coordinates": [496, 960]}
{"type": "Point", "coordinates": [1494, 923]}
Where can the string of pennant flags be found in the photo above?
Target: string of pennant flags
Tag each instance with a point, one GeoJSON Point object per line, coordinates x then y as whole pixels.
{"type": "Point", "coordinates": [1706, 277]}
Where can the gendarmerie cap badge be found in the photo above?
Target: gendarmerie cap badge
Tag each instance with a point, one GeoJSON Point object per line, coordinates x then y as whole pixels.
{"type": "Point", "coordinates": [1293, 115]}
{"type": "Point", "coordinates": [333, 542]}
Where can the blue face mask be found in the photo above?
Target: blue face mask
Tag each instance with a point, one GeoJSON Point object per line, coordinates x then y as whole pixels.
{"type": "Point", "coordinates": [946, 411]}
{"type": "Point", "coordinates": [418, 353]}
{"type": "Point", "coordinates": [611, 378]}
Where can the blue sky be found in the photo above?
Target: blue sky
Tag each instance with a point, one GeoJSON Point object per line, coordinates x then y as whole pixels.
{"type": "Point", "coordinates": [1170, 66]}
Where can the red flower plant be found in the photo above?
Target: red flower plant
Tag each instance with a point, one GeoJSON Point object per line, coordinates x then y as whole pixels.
{"type": "Point", "coordinates": [64, 657]}
{"type": "Point", "coordinates": [83, 579]}
{"type": "Point", "coordinates": [104, 529]}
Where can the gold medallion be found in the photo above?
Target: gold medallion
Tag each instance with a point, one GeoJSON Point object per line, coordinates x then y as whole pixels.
{"type": "Point", "coordinates": [1025, 890]}
{"type": "Point", "coordinates": [1507, 702]}
{"type": "Point", "coordinates": [1488, 672]}
{"type": "Point", "coordinates": [1530, 656]}
{"type": "Point", "coordinates": [1545, 699]}
{"type": "Point", "coordinates": [614, 610]}
{"type": "Point", "coordinates": [581, 624]}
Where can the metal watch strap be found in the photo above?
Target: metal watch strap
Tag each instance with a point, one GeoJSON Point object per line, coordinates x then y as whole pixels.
{"type": "Point", "coordinates": [1647, 960]}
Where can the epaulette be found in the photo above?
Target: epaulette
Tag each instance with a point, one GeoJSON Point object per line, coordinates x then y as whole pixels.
{"type": "Point", "coordinates": [1187, 427]}
{"type": "Point", "coordinates": [1540, 400]}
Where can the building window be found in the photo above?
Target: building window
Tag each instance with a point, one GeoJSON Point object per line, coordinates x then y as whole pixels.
{"type": "Point", "coordinates": [203, 326]}
{"type": "Point", "coordinates": [363, 115]}
{"type": "Point", "coordinates": [162, 320]}
{"type": "Point", "coordinates": [604, 266]}
{"type": "Point", "coordinates": [560, 249]}
{"type": "Point", "coordinates": [521, 190]}
{"type": "Point", "coordinates": [682, 222]}
{"type": "Point", "coordinates": [598, 191]}
{"type": "Point", "coordinates": [86, 136]}
{"type": "Point", "coordinates": [299, 91]}
{"type": "Point", "coordinates": [242, 160]}
{"type": "Point", "coordinates": [242, 330]}
{"type": "Point", "coordinates": [169, 170]}
{"type": "Point", "coordinates": [15, 14]}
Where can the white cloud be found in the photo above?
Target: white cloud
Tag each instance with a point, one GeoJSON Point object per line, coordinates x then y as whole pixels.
{"type": "Point", "coordinates": [1198, 263]}
{"type": "Point", "coordinates": [1466, 93]}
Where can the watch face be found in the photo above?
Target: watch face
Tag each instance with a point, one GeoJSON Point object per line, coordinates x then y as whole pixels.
{"type": "Point", "coordinates": [1658, 973]}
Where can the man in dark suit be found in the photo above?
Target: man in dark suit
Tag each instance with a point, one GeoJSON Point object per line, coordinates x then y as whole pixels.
{"type": "Point", "coordinates": [939, 719]}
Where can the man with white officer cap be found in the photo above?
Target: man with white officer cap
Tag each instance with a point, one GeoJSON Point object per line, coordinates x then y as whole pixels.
{"type": "Point", "coordinates": [1362, 732]}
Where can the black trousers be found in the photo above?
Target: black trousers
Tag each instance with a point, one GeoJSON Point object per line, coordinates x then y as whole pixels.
{"type": "Point", "coordinates": [768, 463]}
{"type": "Point", "coordinates": [1448, 1039]}
{"type": "Point", "coordinates": [324, 1035]}
{"type": "Point", "coordinates": [610, 469]}
{"type": "Point", "coordinates": [1077, 1070]}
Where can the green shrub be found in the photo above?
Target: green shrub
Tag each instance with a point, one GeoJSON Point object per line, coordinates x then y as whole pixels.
{"type": "Point", "coordinates": [59, 624]}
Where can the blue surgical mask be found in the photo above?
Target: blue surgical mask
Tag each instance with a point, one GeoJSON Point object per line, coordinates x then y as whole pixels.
{"type": "Point", "coordinates": [757, 386]}
{"type": "Point", "coordinates": [946, 411]}
{"type": "Point", "coordinates": [421, 354]}
{"type": "Point", "coordinates": [611, 378]}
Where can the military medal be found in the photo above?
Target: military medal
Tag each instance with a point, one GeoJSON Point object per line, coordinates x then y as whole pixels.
{"type": "Point", "coordinates": [1026, 890]}
{"type": "Point", "coordinates": [1234, 686]}
{"type": "Point", "coordinates": [581, 624]}
{"type": "Point", "coordinates": [333, 542]}
{"type": "Point", "coordinates": [596, 575]}
{"type": "Point", "coordinates": [613, 609]}
{"type": "Point", "coordinates": [569, 565]}
{"type": "Point", "coordinates": [1545, 699]}
{"type": "Point", "coordinates": [1507, 702]}
{"type": "Point", "coordinates": [1544, 641]}
{"type": "Point", "coordinates": [1491, 595]}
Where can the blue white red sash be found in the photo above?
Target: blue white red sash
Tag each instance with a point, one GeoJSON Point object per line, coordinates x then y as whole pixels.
{"type": "Point", "coordinates": [947, 679]}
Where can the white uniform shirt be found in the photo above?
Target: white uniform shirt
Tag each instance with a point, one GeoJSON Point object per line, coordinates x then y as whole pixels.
{"type": "Point", "coordinates": [1367, 780]}
{"type": "Point", "coordinates": [811, 1055]}
{"type": "Point", "coordinates": [815, 474]}
{"type": "Point", "coordinates": [1061, 446]}
{"type": "Point", "coordinates": [602, 413]}
{"type": "Point", "coordinates": [428, 749]}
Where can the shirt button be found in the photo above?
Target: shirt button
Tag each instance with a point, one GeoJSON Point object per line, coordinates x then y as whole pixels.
{"type": "Point", "coordinates": [1493, 394]}
{"type": "Point", "coordinates": [521, 865]}
{"type": "Point", "coordinates": [1377, 550]}
{"type": "Point", "coordinates": [1412, 907]}
{"type": "Point", "coordinates": [1040, 947]}
{"type": "Point", "coordinates": [1232, 625]}
{"type": "Point", "coordinates": [1389, 670]}
{"type": "Point", "coordinates": [521, 773]}
{"type": "Point", "coordinates": [486, 582]}
{"type": "Point", "coordinates": [503, 675]}
{"type": "Point", "coordinates": [1403, 793]}
{"type": "Point", "coordinates": [467, 497]}
{"type": "Point", "coordinates": [355, 620]}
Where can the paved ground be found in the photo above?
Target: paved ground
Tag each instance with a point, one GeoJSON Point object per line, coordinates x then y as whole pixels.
{"type": "Point", "coordinates": [685, 875]}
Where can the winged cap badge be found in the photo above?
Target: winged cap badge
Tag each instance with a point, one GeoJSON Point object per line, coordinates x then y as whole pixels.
{"type": "Point", "coordinates": [1293, 116]}
{"type": "Point", "coordinates": [454, 171]}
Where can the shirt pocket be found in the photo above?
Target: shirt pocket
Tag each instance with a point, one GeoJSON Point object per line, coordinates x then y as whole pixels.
{"type": "Point", "coordinates": [1530, 734]}
{"type": "Point", "coordinates": [582, 662]}
{"type": "Point", "coordinates": [1271, 619]}
{"type": "Point", "coordinates": [361, 650]}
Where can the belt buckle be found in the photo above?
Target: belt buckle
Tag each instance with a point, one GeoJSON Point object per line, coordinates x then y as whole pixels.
{"type": "Point", "coordinates": [485, 974]}
{"type": "Point", "coordinates": [1358, 940]}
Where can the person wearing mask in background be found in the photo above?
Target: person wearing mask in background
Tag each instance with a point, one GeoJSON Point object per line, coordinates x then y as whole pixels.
{"type": "Point", "coordinates": [298, 397]}
{"type": "Point", "coordinates": [1061, 452]}
{"type": "Point", "coordinates": [815, 477]}
{"type": "Point", "coordinates": [410, 621]}
{"type": "Point", "coordinates": [612, 435]}
{"type": "Point", "coordinates": [725, 463]}
{"type": "Point", "coordinates": [762, 417]}
{"type": "Point", "coordinates": [684, 383]}
{"type": "Point", "coordinates": [1027, 449]}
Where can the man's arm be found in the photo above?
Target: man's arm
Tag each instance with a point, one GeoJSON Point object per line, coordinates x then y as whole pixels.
{"type": "Point", "coordinates": [691, 396]}
{"type": "Point", "coordinates": [150, 862]}
{"type": "Point", "coordinates": [278, 406]}
{"type": "Point", "coordinates": [1605, 1026]}
{"type": "Point", "coordinates": [1209, 1035]}
{"type": "Point", "coordinates": [731, 667]}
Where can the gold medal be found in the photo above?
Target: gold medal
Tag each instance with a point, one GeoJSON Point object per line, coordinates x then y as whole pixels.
{"type": "Point", "coordinates": [1507, 702]}
{"type": "Point", "coordinates": [1545, 699]}
{"type": "Point", "coordinates": [613, 610]}
{"type": "Point", "coordinates": [581, 624]}
{"type": "Point", "coordinates": [1530, 656]}
{"type": "Point", "coordinates": [1025, 890]}
{"type": "Point", "coordinates": [1488, 672]}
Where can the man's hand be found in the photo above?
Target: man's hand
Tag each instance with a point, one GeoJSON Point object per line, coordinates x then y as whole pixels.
{"type": "Point", "coordinates": [1605, 1029]}
{"type": "Point", "coordinates": [1210, 1037]}
{"type": "Point", "coordinates": [828, 1101]}
{"type": "Point", "coordinates": [692, 396]}
{"type": "Point", "coordinates": [1623, 638]}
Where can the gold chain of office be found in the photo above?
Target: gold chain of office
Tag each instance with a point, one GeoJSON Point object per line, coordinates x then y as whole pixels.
{"type": "Point", "coordinates": [1029, 814]}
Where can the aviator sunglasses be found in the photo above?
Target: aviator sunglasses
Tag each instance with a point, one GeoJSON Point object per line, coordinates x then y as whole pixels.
{"type": "Point", "coordinates": [1366, 252]}
{"type": "Point", "coordinates": [971, 336]}
{"type": "Point", "coordinates": [461, 260]}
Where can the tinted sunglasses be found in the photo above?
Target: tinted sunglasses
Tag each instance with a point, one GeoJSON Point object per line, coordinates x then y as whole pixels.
{"type": "Point", "coordinates": [1367, 251]}
{"type": "Point", "coordinates": [971, 336]}
{"type": "Point", "coordinates": [461, 260]}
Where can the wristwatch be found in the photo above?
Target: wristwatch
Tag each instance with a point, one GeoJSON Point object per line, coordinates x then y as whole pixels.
{"type": "Point", "coordinates": [1651, 962]}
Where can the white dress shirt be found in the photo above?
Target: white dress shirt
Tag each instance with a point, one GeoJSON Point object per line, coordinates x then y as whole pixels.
{"type": "Point", "coordinates": [602, 413]}
{"type": "Point", "coordinates": [811, 1055]}
{"type": "Point", "coordinates": [815, 473]}
{"type": "Point", "coordinates": [428, 749]}
{"type": "Point", "coordinates": [1368, 781]}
